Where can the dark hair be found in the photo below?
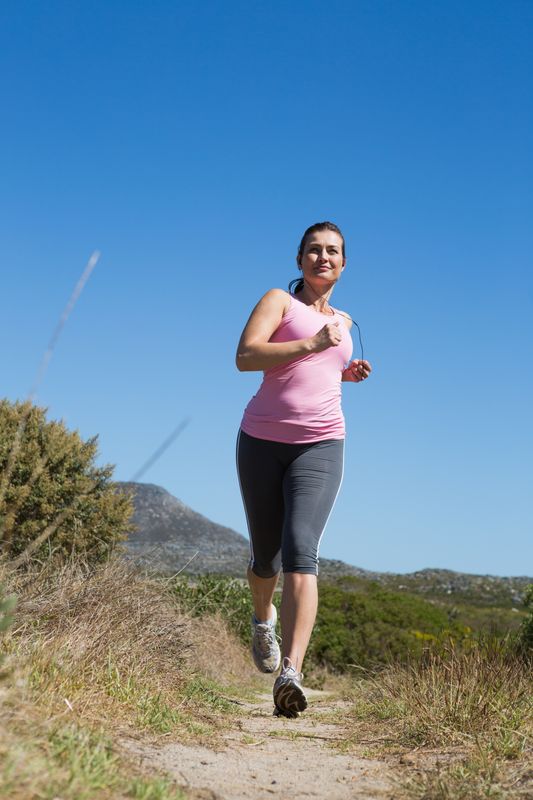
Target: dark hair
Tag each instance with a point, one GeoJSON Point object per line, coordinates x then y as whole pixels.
{"type": "Point", "coordinates": [298, 283]}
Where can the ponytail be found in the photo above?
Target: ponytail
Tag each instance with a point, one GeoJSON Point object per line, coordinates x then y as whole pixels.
{"type": "Point", "coordinates": [296, 285]}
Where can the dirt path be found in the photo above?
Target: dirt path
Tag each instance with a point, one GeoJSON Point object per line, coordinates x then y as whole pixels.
{"type": "Point", "coordinates": [264, 757]}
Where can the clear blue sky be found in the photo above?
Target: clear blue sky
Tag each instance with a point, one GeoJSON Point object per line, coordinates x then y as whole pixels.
{"type": "Point", "coordinates": [192, 143]}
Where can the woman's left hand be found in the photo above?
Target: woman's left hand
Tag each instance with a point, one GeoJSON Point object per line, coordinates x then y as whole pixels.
{"type": "Point", "coordinates": [356, 371]}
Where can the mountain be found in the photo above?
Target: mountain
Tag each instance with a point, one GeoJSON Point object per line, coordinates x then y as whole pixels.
{"type": "Point", "coordinates": [170, 537]}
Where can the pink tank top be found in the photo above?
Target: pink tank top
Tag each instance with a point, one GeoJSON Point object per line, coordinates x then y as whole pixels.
{"type": "Point", "coordinates": [300, 401]}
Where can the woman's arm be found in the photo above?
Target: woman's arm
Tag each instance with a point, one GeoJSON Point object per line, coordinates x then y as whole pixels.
{"type": "Point", "coordinates": [256, 352]}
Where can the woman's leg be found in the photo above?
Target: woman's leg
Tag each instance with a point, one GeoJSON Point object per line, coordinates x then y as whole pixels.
{"type": "Point", "coordinates": [260, 476]}
{"type": "Point", "coordinates": [262, 593]}
{"type": "Point", "coordinates": [311, 485]}
{"type": "Point", "coordinates": [299, 604]}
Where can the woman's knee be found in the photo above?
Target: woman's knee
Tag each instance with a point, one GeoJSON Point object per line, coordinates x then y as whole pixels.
{"type": "Point", "coordinates": [304, 563]}
{"type": "Point", "coordinates": [266, 568]}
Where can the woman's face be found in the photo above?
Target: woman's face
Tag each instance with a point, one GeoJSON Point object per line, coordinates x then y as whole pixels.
{"type": "Point", "coordinates": [322, 258]}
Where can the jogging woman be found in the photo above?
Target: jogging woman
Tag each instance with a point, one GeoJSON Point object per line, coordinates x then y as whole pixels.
{"type": "Point", "coordinates": [290, 450]}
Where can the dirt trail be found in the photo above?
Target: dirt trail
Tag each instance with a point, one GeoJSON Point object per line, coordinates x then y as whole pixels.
{"type": "Point", "coordinates": [264, 757]}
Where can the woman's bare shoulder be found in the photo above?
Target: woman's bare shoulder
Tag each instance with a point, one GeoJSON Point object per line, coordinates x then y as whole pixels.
{"type": "Point", "coordinates": [347, 318]}
{"type": "Point", "coordinates": [277, 297]}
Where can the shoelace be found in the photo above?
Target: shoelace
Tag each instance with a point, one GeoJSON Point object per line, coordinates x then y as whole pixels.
{"type": "Point", "coordinates": [267, 638]}
{"type": "Point", "coordinates": [288, 671]}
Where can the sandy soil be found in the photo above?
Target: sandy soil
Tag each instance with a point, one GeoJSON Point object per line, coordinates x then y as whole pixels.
{"type": "Point", "coordinates": [265, 757]}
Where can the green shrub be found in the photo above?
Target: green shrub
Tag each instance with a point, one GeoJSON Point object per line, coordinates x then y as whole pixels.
{"type": "Point", "coordinates": [374, 626]}
{"type": "Point", "coordinates": [53, 499]}
{"type": "Point", "coordinates": [217, 593]}
{"type": "Point", "coordinates": [526, 630]}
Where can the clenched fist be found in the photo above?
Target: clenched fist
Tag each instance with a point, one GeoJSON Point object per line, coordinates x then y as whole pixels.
{"type": "Point", "coordinates": [356, 371]}
{"type": "Point", "coordinates": [328, 336]}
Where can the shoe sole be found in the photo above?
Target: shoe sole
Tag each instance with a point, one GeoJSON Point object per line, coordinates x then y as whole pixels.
{"type": "Point", "coordinates": [289, 700]}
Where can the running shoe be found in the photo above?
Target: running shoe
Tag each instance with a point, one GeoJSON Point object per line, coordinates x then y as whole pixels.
{"type": "Point", "coordinates": [289, 698]}
{"type": "Point", "coordinates": [265, 647]}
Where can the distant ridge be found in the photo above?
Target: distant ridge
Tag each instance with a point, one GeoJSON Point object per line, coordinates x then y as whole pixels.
{"type": "Point", "coordinates": [170, 537]}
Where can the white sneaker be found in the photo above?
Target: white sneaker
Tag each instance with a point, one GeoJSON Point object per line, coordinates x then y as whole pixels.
{"type": "Point", "coordinates": [289, 697]}
{"type": "Point", "coordinates": [265, 647]}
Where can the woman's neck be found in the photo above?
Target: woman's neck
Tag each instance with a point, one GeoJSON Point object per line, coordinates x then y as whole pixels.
{"type": "Point", "coordinates": [319, 298]}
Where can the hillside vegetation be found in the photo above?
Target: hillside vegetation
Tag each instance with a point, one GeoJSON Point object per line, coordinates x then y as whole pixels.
{"type": "Point", "coordinates": [359, 624]}
{"type": "Point", "coordinates": [96, 654]}
{"type": "Point", "coordinates": [94, 651]}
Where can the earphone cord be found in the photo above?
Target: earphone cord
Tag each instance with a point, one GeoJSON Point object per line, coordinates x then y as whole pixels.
{"type": "Point", "coordinates": [358, 333]}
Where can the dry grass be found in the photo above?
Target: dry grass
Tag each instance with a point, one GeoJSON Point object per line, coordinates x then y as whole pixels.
{"type": "Point", "coordinates": [96, 652]}
{"type": "Point", "coordinates": [475, 707]}
{"type": "Point", "coordinates": [479, 775]}
{"type": "Point", "coordinates": [84, 617]}
{"type": "Point", "coordinates": [216, 651]}
{"type": "Point", "coordinates": [111, 640]}
{"type": "Point", "coordinates": [452, 697]}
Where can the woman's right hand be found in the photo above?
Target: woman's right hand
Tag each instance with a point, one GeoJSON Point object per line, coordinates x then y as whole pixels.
{"type": "Point", "coordinates": [328, 336]}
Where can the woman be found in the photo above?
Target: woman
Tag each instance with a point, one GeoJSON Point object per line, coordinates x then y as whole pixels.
{"type": "Point", "coordinates": [290, 450]}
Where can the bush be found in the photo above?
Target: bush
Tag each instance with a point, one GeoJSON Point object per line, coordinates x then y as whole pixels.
{"type": "Point", "coordinates": [212, 593]}
{"type": "Point", "coordinates": [526, 630]}
{"type": "Point", "coordinates": [374, 626]}
{"type": "Point", "coordinates": [53, 499]}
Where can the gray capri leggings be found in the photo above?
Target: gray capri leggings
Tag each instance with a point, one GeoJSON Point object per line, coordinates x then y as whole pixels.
{"type": "Point", "coordinates": [288, 491]}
